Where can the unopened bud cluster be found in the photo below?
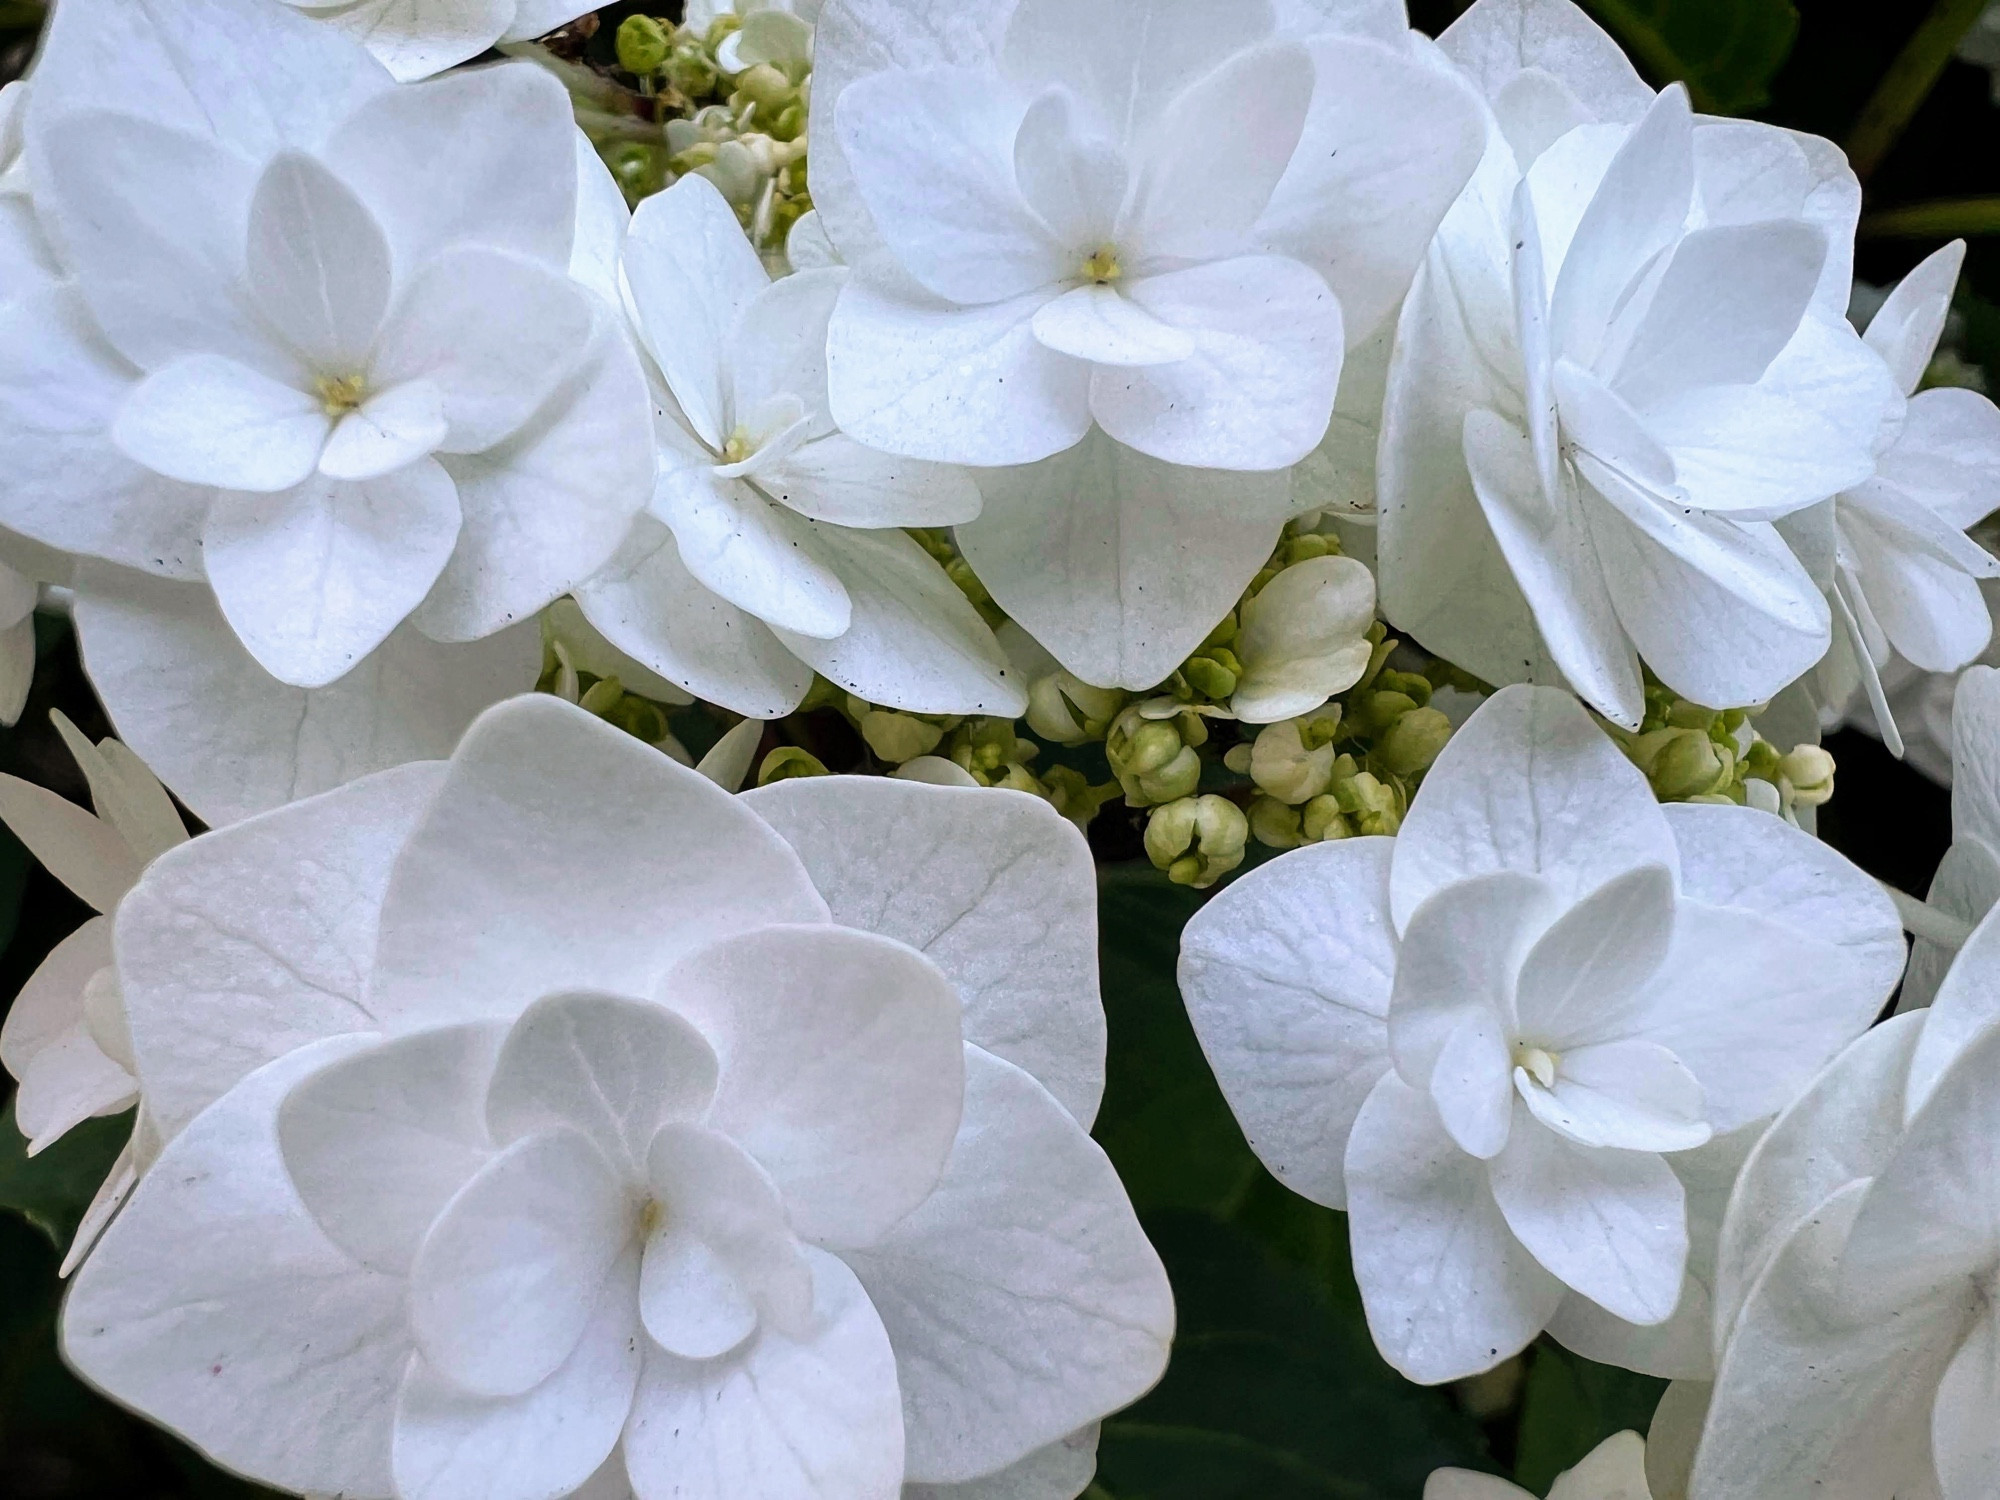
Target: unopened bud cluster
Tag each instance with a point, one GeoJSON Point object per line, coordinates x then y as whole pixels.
{"type": "Point", "coordinates": [1691, 753]}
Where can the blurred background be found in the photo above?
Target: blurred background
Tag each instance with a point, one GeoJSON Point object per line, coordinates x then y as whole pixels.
{"type": "Point", "coordinates": [1275, 1390]}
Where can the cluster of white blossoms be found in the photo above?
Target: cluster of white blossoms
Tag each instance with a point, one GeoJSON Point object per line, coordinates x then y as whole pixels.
{"type": "Point", "coordinates": [1449, 462]}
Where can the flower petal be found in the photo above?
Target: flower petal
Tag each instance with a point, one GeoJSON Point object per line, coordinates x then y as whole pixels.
{"type": "Point", "coordinates": [1907, 326]}
{"type": "Point", "coordinates": [747, 550]}
{"type": "Point", "coordinates": [1579, 982]}
{"type": "Point", "coordinates": [83, 852]}
{"type": "Point", "coordinates": [204, 419]}
{"type": "Point", "coordinates": [318, 263]}
{"type": "Point", "coordinates": [397, 427]}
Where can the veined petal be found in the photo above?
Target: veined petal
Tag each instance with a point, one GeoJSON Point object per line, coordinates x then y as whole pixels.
{"type": "Point", "coordinates": [1073, 178]}
{"type": "Point", "coordinates": [1907, 326]}
{"type": "Point", "coordinates": [838, 480]}
{"type": "Point", "coordinates": [318, 263]}
{"type": "Point", "coordinates": [1099, 324]}
{"type": "Point", "coordinates": [1581, 979]}
{"type": "Point", "coordinates": [386, 432]}
{"type": "Point", "coordinates": [414, 39]}
{"type": "Point", "coordinates": [744, 548]}
{"type": "Point", "coordinates": [1747, 451]}
{"type": "Point", "coordinates": [204, 419]}
{"type": "Point", "coordinates": [1630, 1096]}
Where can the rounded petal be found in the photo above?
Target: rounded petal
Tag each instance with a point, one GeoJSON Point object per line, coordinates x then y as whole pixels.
{"type": "Point", "coordinates": [1022, 1299]}
{"type": "Point", "coordinates": [601, 886]}
{"type": "Point", "coordinates": [750, 552]}
{"type": "Point", "coordinates": [1119, 563]}
{"type": "Point", "coordinates": [314, 579]}
{"type": "Point", "coordinates": [414, 39]}
{"type": "Point", "coordinates": [816, 1417]}
{"type": "Point", "coordinates": [1286, 973]}
{"type": "Point", "coordinates": [230, 739]}
{"type": "Point", "coordinates": [1529, 783]}
{"type": "Point", "coordinates": [397, 427]}
{"type": "Point", "coordinates": [1304, 638]}
{"type": "Point", "coordinates": [840, 1068]}
{"type": "Point", "coordinates": [217, 1306]}
{"type": "Point", "coordinates": [1578, 983]}
{"type": "Point", "coordinates": [996, 888]}
{"type": "Point", "coordinates": [1497, 40]}
{"type": "Point", "coordinates": [837, 479]}
{"type": "Point", "coordinates": [207, 420]}
{"type": "Point", "coordinates": [318, 263]}
{"type": "Point", "coordinates": [1448, 1289]}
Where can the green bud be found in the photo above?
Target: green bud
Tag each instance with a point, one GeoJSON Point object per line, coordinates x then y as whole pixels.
{"type": "Point", "coordinates": [1284, 768]}
{"type": "Point", "coordinates": [1237, 758]}
{"type": "Point", "coordinates": [1300, 549]}
{"type": "Point", "coordinates": [1153, 745]}
{"type": "Point", "coordinates": [602, 697]}
{"type": "Point", "coordinates": [1069, 711]}
{"type": "Point", "coordinates": [786, 762]}
{"type": "Point", "coordinates": [1808, 771]}
{"type": "Point", "coordinates": [1070, 793]}
{"type": "Point", "coordinates": [690, 69]}
{"type": "Point", "coordinates": [642, 45]}
{"type": "Point", "coordinates": [1686, 715]}
{"type": "Point", "coordinates": [1177, 778]}
{"type": "Point", "coordinates": [765, 87]}
{"type": "Point", "coordinates": [1372, 807]}
{"type": "Point", "coordinates": [1197, 840]}
{"type": "Point", "coordinates": [1273, 824]}
{"type": "Point", "coordinates": [1322, 728]}
{"type": "Point", "coordinates": [1413, 741]}
{"type": "Point", "coordinates": [1321, 820]}
{"type": "Point", "coordinates": [1374, 711]}
{"type": "Point", "coordinates": [640, 170]}
{"type": "Point", "coordinates": [1412, 685]}
{"type": "Point", "coordinates": [898, 737]}
{"type": "Point", "coordinates": [1210, 677]}
{"type": "Point", "coordinates": [1223, 634]}
{"type": "Point", "coordinates": [1686, 763]}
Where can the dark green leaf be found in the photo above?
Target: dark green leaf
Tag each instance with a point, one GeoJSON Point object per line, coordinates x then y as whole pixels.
{"type": "Point", "coordinates": [1272, 1394]}
{"type": "Point", "coordinates": [1725, 51]}
{"type": "Point", "coordinates": [52, 1190]}
{"type": "Point", "coordinates": [1570, 1406]}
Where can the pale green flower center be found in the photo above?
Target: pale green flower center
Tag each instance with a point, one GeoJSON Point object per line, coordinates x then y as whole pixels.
{"type": "Point", "coordinates": [341, 394]}
{"type": "Point", "coordinates": [1539, 1063]}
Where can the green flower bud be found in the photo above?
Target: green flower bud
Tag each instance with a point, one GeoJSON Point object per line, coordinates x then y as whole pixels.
{"type": "Point", "coordinates": [1375, 710]}
{"type": "Point", "coordinates": [640, 170]}
{"type": "Point", "coordinates": [1210, 677]}
{"type": "Point", "coordinates": [1069, 711]}
{"type": "Point", "coordinates": [1321, 820]}
{"type": "Point", "coordinates": [1371, 806]}
{"type": "Point", "coordinates": [765, 87]}
{"type": "Point", "coordinates": [1070, 793]}
{"type": "Point", "coordinates": [643, 45]}
{"type": "Point", "coordinates": [1413, 741]}
{"type": "Point", "coordinates": [1153, 745]}
{"type": "Point", "coordinates": [602, 697]}
{"type": "Point", "coordinates": [1412, 685]}
{"type": "Point", "coordinates": [1808, 771]}
{"type": "Point", "coordinates": [1322, 728]}
{"type": "Point", "coordinates": [1686, 715]}
{"type": "Point", "coordinates": [1283, 767]}
{"type": "Point", "coordinates": [1197, 840]}
{"type": "Point", "coordinates": [1237, 758]}
{"type": "Point", "coordinates": [787, 761]}
{"type": "Point", "coordinates": [897, 737]}
{"type": "Point", "coordinates": [1273, 824]}
{"type": "Point", "coordinates": [1686, 763]}
{"type": "Point", "coordinates": [691, 70]}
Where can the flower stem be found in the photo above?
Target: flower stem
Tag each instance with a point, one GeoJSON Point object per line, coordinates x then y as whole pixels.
{"type": "Point", "coordinates": [1945, 219]}
{"type": "Point", "coordinates": [1908, 83]}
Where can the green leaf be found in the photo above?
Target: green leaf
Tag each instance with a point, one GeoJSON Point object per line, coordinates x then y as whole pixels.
{"type": "Point", "coordinates": [1272, 1395]}
{"type": "Point", "coordinates": [52, 1190]}
{"type": "Point", "coordinates": [1725, 51]}
{"type": "Point", "coordinates": [1164, 1122]}
{"type": "Point", "coordinates": [1570, 1406]}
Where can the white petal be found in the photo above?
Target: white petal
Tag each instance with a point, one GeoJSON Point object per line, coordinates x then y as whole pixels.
{"type": "Point", "coordinates": [68, 1079]}
{"type": "Point", "coordinates": [1547, 549]}
{"type": "Point", "coordinates": [1611, 1224]}
{"type": "Point", "coordinates": [615, 1069]}
{"type": "Point", "coordinates": [1747, 451]}
{"type": "Point", "coordinates": [1258, 391]}
{"type": "Point", "coordinates": [777, 346]}
{"type": "Point", "coordinates": [815, 1417]}
{"type": "Point", "coordinates": [1907, 326]}
{"type": "Point", "coordinates": [996, 889]}
{"type": "Point", "coordinates": [85, 854]}
{"type": "Point", "coordinates": [207, 420]}
{"type": "Point", "coordinates": [1965, 1445]}
{"type": "Point", "coordinates": [1022, 1298]}
{"type": "Point", "coordinates": [317, 264]}
{"type": "Point", "coordinates": [914, 642]}
{"type": "Point", "coordinates": [496, 167]}
{"type": "Point", "coordinates": [1061, 1471]}
{"type": "Point", "coordinates": [972, 385]}
{"type": "Point", "coordinates": [1208, 167]}
{"type": "Point", "coordinates": [1580, 982]}
{"type": "Point", "coordinates": [232, 740]}
{"type": "Point", "coordinates": [1302, 639]}
{"type": "Point", "coordinates": [1529, 783]}
{"type": "Point", "coordinates": [1072, 176]}
{"type": "Point", "coordinates": [693, 1304]}
{"type": "Point", "coordinates": [1099, 324]}
{"type": "Point", "coordinates": [840, 1068]}
{"type": "Point", "coordinates": [1390, 139]}
{"type": "Point", "coordinates": [215, 1304]}
{"type": "Point", "coordinates": [254, 940]}
{"type": "Point", "coordinates": [50, 1005]}
{"type": "Point", "coordinates": [65, 482]}
{"type": "Point", "coordinates": [1631, 1096]}
{"type": "Point", "coordinates": [495, 333]}
{"type": "Point", "coordinates": [506, 1281]}
{"type": "Point", "coordinates": [453, 1445]}
{"type": "Point", "coordinates": [1615, 1467]}
{"type": "Point", "coordinates": [314, 579]}
{"type": "Point", "coordinates": [1119, 563]}
{"type": "Point", "coordinates": [1495, 41]}
{"type": "Point", "coordinates": [647, 604]}
{"type": "Point", "coordinates": [836, 479]}
{"type": "Point", "coordinates": [378, 1143]}
{"type": "Point", "coordinates": [654, 860]}
{"type": "Point", "coordinates": [750, 552]}
{"type": "Point", "coordinates": [397, 427]}
{"type": "Point", "coordinates": [933, 158]}
{"type": "Point", "coordinates": [693, 275]}
{"type": "Point", "coordinates": [551, 505]}
{"type": "Point", "coordinates": [602, 222]}
{"type": "Point", "coordinates": [414, 38]}
{"type": "Point", "coordinates": [1448, 1289]}
{"type": "Point", "coordinates": [1599, 420]}
{"type": "Point", "coordinates": [1286, 974]}
{"type": "Point", "coordinates": [1947, 456]}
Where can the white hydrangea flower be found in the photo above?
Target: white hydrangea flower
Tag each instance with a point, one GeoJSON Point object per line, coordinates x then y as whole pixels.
{"type": "Point", "coordinates": [1892, 554]}
{"type": "Point", "coordinates": [316, 401]}
{"type": "Point", "coordinates": [65, 1039]}
{"type": "Point", "coordinates": [1614, 1470]}
{"type": "Point", "coordinates": [414, 39]}
{"type": "Point", "coordinates": [779, 32]}
{"type": "Point", "coordinates": [1856, 1311]}
{"type": "Point", "coordinates": [1118, 248]}
{"type": "Point", "coordinates": [770, 549]}
{"type": "Point", "coordinates": [551, 1116]}
{"type": "Point", "coordinates": [1624, 356]}
{"type": "Point", "coordinates": [1500, 1039]}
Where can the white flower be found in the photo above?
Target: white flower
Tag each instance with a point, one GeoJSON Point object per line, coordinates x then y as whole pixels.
{"type": "Point", "coordinates": [65, 1039]}
{"type": "Point", "coordinates": [1856, 1308]}
{"type": "Point", "coordinates": [552, 1114]}
{"type": "Point", "coordinates": [1498, 1039]}
{"type": "Point", "coordinates": [415, 38]}
{"type": "Point", "coordinates": [317, 367]}
{"type": "Point", "coordinates": [770, 550]}
{"type": "Point", "coordinates": [778, 32]}
{"type": "Point", "coordinates": [1623, 357]}
{"type": "Point", "coordinates": [1303, 639]}
{"type": "Point", "coordinates": [1149, 214]}
{"type": "Point", "coordinates": [1614, 1470]}
{"type": "Point", "coordinates": [1967, 882]}
{"type": "Point", "coordinates": [1892, 553]}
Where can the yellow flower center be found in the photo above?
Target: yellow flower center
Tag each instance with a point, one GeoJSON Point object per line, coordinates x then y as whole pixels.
{"type": "Point", "coordinates": [739, 447]}
{"type": "Point", "coordinates": [1102, 267]}
{"type": "Point", "coordinates": [1539, 1063]}
{"type": "Point", "coordinates": [341, 394]}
